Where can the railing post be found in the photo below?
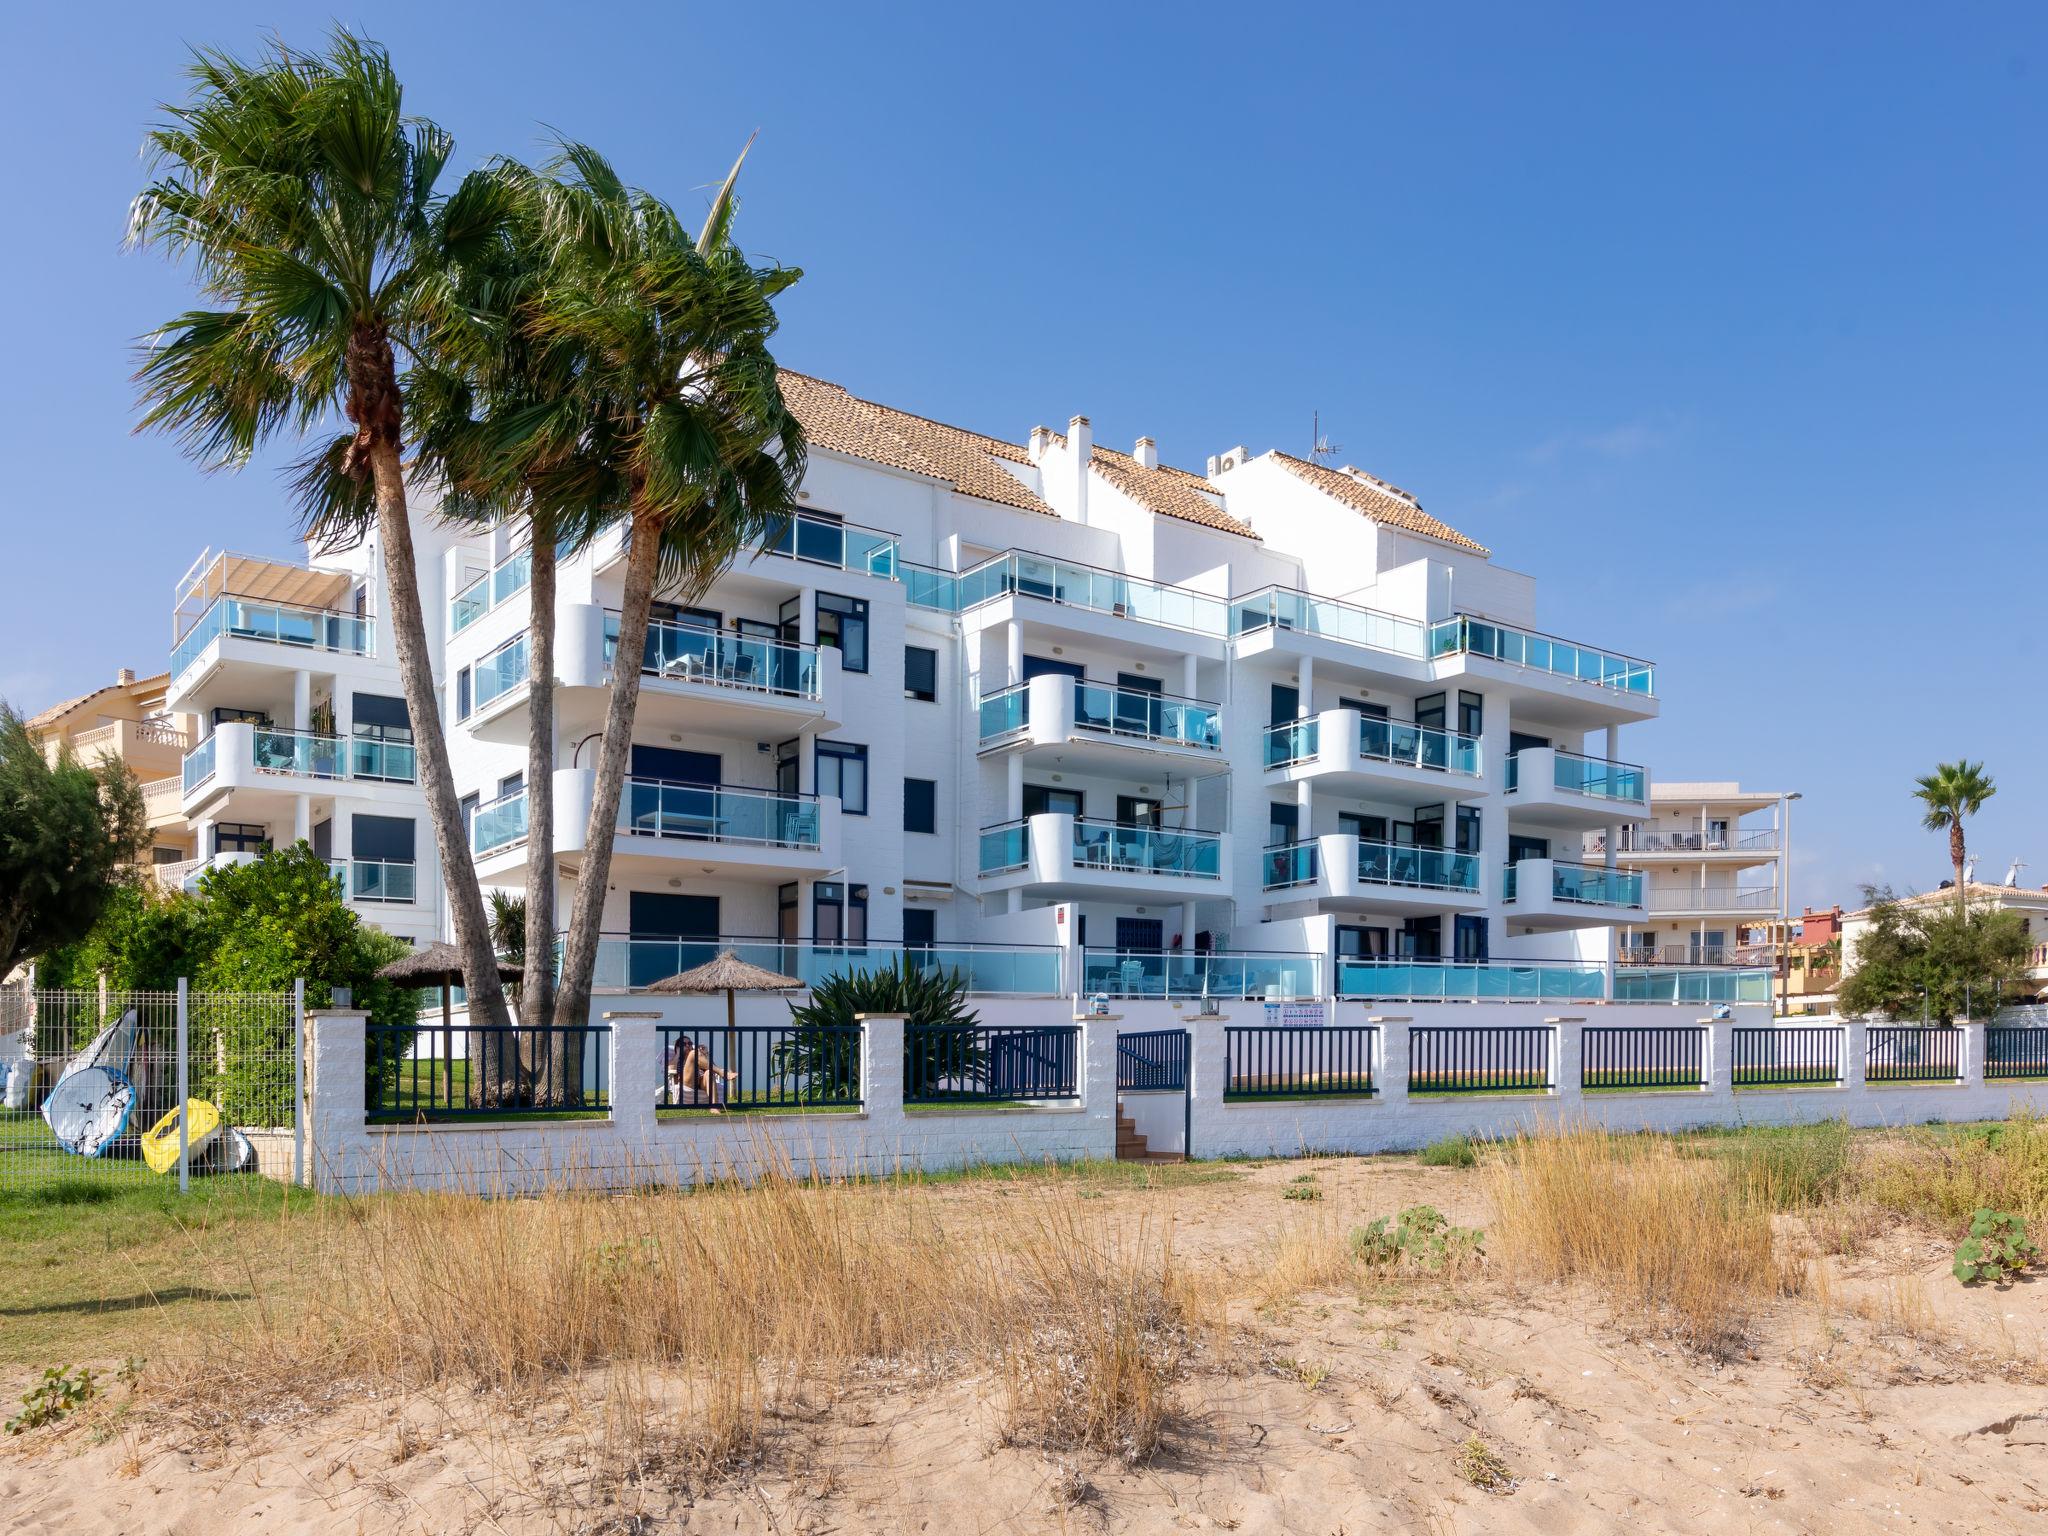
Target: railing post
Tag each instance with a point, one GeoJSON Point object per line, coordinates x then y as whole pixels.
{"type": "Point", "coordinates": [1856, 1055]}
{"type": "Point", "coordinates": [1390, 1072]}
{"type": "Point", "coordinates": [184, 1088]}
{"type": "Point", "coordinates": [1568, 1054]}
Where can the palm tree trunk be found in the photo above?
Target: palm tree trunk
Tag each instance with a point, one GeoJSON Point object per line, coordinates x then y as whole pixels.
{"type": "Point", "coordinates": [1956, 856]}
{"type": "Point", "coordinates": [416, 676]}
{"type": "Point", "coordinates": [545, 1058]}
{"type": "Point", "coordinates": [579, 957]}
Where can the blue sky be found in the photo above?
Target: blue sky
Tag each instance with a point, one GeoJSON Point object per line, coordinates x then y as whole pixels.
{"type": "Point", "coordinates": [1728, 326]}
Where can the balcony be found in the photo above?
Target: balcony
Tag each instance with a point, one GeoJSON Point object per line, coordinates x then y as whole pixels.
{"type": "Point", "coordinates": [723, 680]}
{"type": "Point", "coordinates": [1342, 872]}
{"type": "Point", "coordinates": [819, 540]}
{"type": "Point", "coordinates": [1390, 760]}
{"type": "Point", "coordinates": [1730, 845]}
{"type": "Point", "coordinates": [1544, 662]}
{"type": "Point", "coordinates": [498, 824]}
{"type": "Point", "coordinates": [1483, 981]}
{"type": "Point", "coordinates": [667, 829]}
{"type": "Point", "coordinates": [1181, 975]}
{"type": "Point", "coordinates": [388, 881]}
{"type": "Point", "coordinates": [1711, 900]}
{"type": "Point", "coordinates": [1554, 894]}
{"type": "Point", "coordinates": [1068, 584]}
{"type": "Point", "coordinates": [239, 755]}
{"type": "Point", "coordinates": [1099, 726]}
{"type": "Point", "coordinates": [626, 963]}
{"type": "Point", "coordinates": [489, 591]}
{"type": "Point", "coordinates": [1058, 854]}
{"type": "Point", "coordinates": [257, 631]}
{"type": "Point", "coordinates": [1553, 787]}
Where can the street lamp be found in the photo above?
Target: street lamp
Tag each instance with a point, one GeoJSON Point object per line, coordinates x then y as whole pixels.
{"type": "Point", "coordinates": [1785, 909]}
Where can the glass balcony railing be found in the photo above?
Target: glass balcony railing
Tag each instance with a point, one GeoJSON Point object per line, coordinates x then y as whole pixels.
{"type": "Point", "coordinates": [1107, 845]}
{"type": "Point", "coordinates": [719, 814]}
{"type": "Point", "coordinates": [1156, 717]}
{"type": "Point", "coordinates": [1290, 864]}
{"type": "Point", "coordinates": [1293, 741]}
{"type": "Point", "coordinates": [1406, 864]}
{"type": "Point", "coordinates": [1595, 776]}
{"type": "Point", "coordinates": [389, 880]}
{"type": "Point", "coordinates": [1005, 848]}
{"type": "Point", "coordinates": [1216, 973]}
{"type": "Point", "coordinates": [1099, 591]}
{"type": "Point", "coordinates": [1408, 745]}
{"type": "Point", "coordinates": [199, 763]}
{"type": "Point", "coordinates": [300, 752]}
{"type": "Point", "coordinates": [1644, 984]}
{"type": "Point", "coordinates": [818, 540]}
{"type": "Point", "coordinates": [276, 623]}
{"type": "Point", "coordinates": [1590, 885]}
{"type": "Point", "coordinates": [635, 963]}
{"type": "Point", "coordinates": [1287, 608]}
{"type": "Point", "coordinates": [927, 586]}
{"type": "Point", "coordinates": [500, 672]}
{"type": "Point", "coordinates": [1002, 713]}
{"type": "Point", "coordinates": [489, 590]}
{"type": "Point", "coordinates": [371, 757]}
{"type": "Point", "coordinates": [498, 824]}
{"type": "Point", "coordinates": [1544, 653]}
{"type": "Point", "coordinates": [1412, 980]}
{"type": "Point", "coordinates": [694, 653]}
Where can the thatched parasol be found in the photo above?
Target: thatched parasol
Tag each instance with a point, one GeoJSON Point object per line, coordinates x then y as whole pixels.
{"type": "Point", "coordinates": [729, 974]}
{"type": "Point", "coordinates": [440, 965]}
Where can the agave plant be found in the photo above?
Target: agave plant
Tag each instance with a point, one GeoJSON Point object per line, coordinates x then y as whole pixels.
{"type": "Point", "coordinates": [934, 999]}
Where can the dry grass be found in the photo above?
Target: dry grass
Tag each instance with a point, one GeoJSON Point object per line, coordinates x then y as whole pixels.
{"type": "Point", "coordinates": [1662, 1234]}
{"type": "Point", "coordinates": [1942, 1174]}
{"type": "Point", "coordinates": [735, 1301]}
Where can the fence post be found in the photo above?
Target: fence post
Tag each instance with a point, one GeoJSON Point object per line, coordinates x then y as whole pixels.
{"type": "Point", "coordinates": [636, 1075]}
{"type": "Point", "coordinates": [337, 1056]}
{"type": "Point", "coordinates": [1969, 1068]}
{"type": "Point", "coordinates": [881, 1086]}
{"type": "Point", "coordinates": [1856, 1057]}
{"type": "Point", "coordinates": [1568, 1053]}
{"type": "Point", "coordinates": [1390, 1074]}
{"type": "Point", "coordinates": [299, 1081]}
{"type": "Point", "coordinates": [184, 1088]}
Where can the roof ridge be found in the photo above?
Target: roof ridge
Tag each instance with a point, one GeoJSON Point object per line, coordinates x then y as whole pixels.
{"type": "Point", "coordinates": [1399, 511]}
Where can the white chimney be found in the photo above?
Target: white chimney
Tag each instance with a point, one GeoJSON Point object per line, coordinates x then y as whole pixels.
{"type": "Point", "coordinates": [1147, 453]}
{"type": "Point", "coordinates": [1040, 437]}
{"type": "Point", "coordinates": [124, 677]}
{"type": "Point", "coordinates": [1081, 439]}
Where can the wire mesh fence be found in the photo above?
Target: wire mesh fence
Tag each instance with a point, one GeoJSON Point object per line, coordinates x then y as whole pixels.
{"type": "Point", "coordinates": [91, 1084]}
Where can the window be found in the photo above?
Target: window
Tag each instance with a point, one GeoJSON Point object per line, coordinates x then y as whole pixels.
{"type": "Point", "coordinates": [843, 771]}
{"type": "Point", "coordinates": [839, 913]}
{"type": "Point", "coordinates": [1039, 800]}
{"type": "Point", "coordinates": [1468, 938]}
{"type": "Point", "coordinates": [920, 927]}
{"type": "Point", "coordinates": [843, 625]}
{"type": "Point", "coordinates": [1367, 829]}
{"type": "Point", "coordinates": [223, 715]}
{"type": "Point", "coordinates": [466, 808]}
{"type": "Point", "coordinates": [240, 837]}
{"type": "Point", "coordinates": [1283, 823]}
{"type": "Point", "coordinates": [1520, 847]}
{"type": "Point", "coordinates": [920, 805]}
{"type": "Point", "coordinates": [1471, 712]}
{"type": "Point", "coordinates": [462, 694]}
{"type": "Point", "coordinates": [920, 673]}
{"type": "Point", "coordinates": [511, 784]}
{"type": "Point", "coordinates": [1429, 711]}
{"type": "Point", "coordinates": [1468, 829]}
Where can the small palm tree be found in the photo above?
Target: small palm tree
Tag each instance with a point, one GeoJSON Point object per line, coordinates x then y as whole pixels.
{"type": "Point", "coordinates": [1953, 792]}
{"type": "Point", "coordinates": [305, 200]}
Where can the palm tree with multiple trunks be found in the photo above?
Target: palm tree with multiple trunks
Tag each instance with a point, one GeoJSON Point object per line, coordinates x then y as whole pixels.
{"type": "Point", "coordinates": [1953, 792]}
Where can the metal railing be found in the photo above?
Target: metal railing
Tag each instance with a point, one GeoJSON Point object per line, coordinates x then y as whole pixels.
{"type": "Point", "coordinates": [1542, 653]}
{"type": "Point", "coordinates": [500, 672]}
{"type": "Point", "coordinates": [1290, 864]}
{"type": "Point", "coordinates": [1717, 984]}
{"type": "Point", "coordinates": [1278, 1061]}
{"type": "Point", "coordinates": [817, 540]}
{"type": "Point", "coordinates": [1592, 885]}
{"type": "Point", "coordinates": [1005, 711]}
{"type": "Point", "coordinates": [1912, 1053]}
{"type": "Point", "coordinates": [1719, 899]}
{"type": "Point", "coordinates": [235, 618]}
{"type": "Point", "coordinates": [633, 963]}
{"type": "Point", "coordinates": [786, 1067]}
{"type": "Point", "coordinates": [719, 813]}
{"type": "Point", "coordinates": [1654, 1056]}
{"type": "Point", "coordinates": [698, 653]}
{"type": "Point", "coordinates": [1182, 853]}
{"type": "Point", "coordinates": [1290, 608]}
{"type": "Point", "coordinates": [1497, 1058]}
{"type": "Point", "coordinates": [498, 823]}
{"type": "Point", "coordinates": [1152, 1060]}
{"type": "Point", "coordinates": [503, 1070]}
{"type": "Point", "coordinates": [508, 577]}
{"type": "Point", "coordinates": [1410, 865]}
{"type": "Point", "coordinates": [1111, 972]}
{"type": "Point", "coordinates": [1294, 741]}
{"type": "Point", "coordinates": [1408, 745]}
{"type": "Point", "coordinates": [1473, 981]}
{"type": "Point", "coordinates": [990, 1064]}
{"type": "Point", "coordinates": [1797, 1056]}
{"type": "Point", "coordinates": [1151, 717]}
{"type": "Point", "coordinates": [1643, 840]}
{"type": "Point", "coordinates": [1074, 585]}
{"type": "Point", "coordinates": [2015, 1051]}
{"type": "Point", "coordinates": [387, 880]}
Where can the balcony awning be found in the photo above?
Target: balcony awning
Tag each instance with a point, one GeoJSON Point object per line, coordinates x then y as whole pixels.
{"type": "Point", "coordinates": [928, 890]}
{"type": "Point", "coordinates": [268, 581]}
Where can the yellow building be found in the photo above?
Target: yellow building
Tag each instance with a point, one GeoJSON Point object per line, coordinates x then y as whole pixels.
{"type": "Point", "coordinates": [127, 720]}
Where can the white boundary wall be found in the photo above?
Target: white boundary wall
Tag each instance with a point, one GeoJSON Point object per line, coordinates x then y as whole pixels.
{"type": "Point", "coordinates": [634, 1147]}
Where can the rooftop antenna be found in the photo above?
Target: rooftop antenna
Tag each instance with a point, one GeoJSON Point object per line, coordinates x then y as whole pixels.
{"type": "Point", "coordinates": [1970, 870]}
{"type": "Point", "coordinates": [2012, 873]}
{"type": "Point", "coordinates": [1324, 451]}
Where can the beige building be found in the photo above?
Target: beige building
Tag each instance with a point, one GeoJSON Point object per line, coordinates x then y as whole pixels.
{"type": "Point", "coordinates": [2031, 902]}
{"type": "Point", "coordinates": [128, 720]}
{"type": "Point", "coordinates": [1712, 857]}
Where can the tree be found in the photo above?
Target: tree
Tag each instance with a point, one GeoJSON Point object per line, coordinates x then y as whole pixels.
{"type": "Point", "coordinates": [65, 831]}
{"type": "Point", "coordinates": [1951, 793]}
{"type": "Point", "coordinates": [508, 922]}
{"type": "Point", "coordinates": [1920, 958]}
{"type": "Point", "coordinates": [304, 198]}
{"type": "Point", "coordinates": [684, 432]}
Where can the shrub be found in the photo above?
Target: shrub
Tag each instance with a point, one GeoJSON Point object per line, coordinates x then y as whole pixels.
{"type": "Point", "coordinates": [57, 1394]}
{"type": "Point", "coordinates": [927, 999]}
{"type": "Point", "coordinates": [1996, 1249]}
{"type": "Point", "coordinates": [1449, 1152]}
{"type": "Point", "coordinates": [1421, 1237]}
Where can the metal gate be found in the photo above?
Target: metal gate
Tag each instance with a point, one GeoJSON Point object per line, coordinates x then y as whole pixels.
{"type": "Point", "coordinates": [1156, 1061]}
{"type": "Point", "coordinates": [85, 1076]}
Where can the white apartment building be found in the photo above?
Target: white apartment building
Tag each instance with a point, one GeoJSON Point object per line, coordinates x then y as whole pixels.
{"type": "Point", "coordinates": [1712, 857]}
{"type": "Point", "coordinates": [1061, 716]}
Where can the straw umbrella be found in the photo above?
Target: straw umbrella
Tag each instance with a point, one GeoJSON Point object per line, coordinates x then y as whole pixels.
{"type": "Point", "coordinates": [729, 974]}
{"type": "Point", "coordinates": [440, 965]}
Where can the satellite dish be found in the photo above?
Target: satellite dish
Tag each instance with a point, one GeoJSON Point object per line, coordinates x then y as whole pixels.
{"type": "Point", "coordinates": [2012, 873]}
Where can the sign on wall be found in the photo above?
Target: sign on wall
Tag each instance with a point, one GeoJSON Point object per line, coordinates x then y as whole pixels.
{"type": "Point", "coordinates": [1295, 1015]}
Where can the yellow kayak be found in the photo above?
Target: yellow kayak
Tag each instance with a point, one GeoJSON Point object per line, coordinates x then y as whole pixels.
{"type": "Point", "coordinates": [160, 1141]}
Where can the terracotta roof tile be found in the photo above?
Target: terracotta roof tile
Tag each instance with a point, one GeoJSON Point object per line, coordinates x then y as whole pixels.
{"type": "Point", "coordinates": [1169, 492]}
{"type": "Point", "coordinates": [1377, 500]}
{"type": "Point", "coordinates": [842, 422]}
{"type": "Point", "coordinates": [57, 712]}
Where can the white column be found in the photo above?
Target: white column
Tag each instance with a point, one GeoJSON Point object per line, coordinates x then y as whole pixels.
{"type": "Point", "coordinates": [1190, 675]}
{"type": "Point", "coordinates": [1187, 927]}
{"type": "Point", "coordinates": [1013, 652]}
{"type": "Point", "coordinates": [302, 700]}
{"type": "Point", "coordinates": [343, 833]}
{"type": "Point", "coordinates": [302, 818]}
{"type": "Point", "coordinates": [1613, 827]}
{"type": "Point", "coordinates": [344, 711]}
{"type": "Point", "coordinates": [1495, 722]}
{"type": "Point", "coordinates": [1013, 786]}
{"type": "Point", "coordinates": [1306, 686]}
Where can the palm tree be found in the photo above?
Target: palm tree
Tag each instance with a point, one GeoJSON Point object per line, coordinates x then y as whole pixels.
{"type": "Point", "coordinates": [1951, 793]}
{"type": "Point", "coordinates": [304, 199]}
{"type": "Point", "coordinates": [685, 435]}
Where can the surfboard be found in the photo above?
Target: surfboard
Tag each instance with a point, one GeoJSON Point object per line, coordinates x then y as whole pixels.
{"type": "Point", "coordinates": [88, 1110]}
{"type": "Point", "coordinates": [111, 1047]}
{"type": "Point", "coordinates": [160, 1141]}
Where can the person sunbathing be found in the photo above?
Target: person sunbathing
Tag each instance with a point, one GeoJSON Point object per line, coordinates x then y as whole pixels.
{"type": "Point", "coordinates": [696, 1079]}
